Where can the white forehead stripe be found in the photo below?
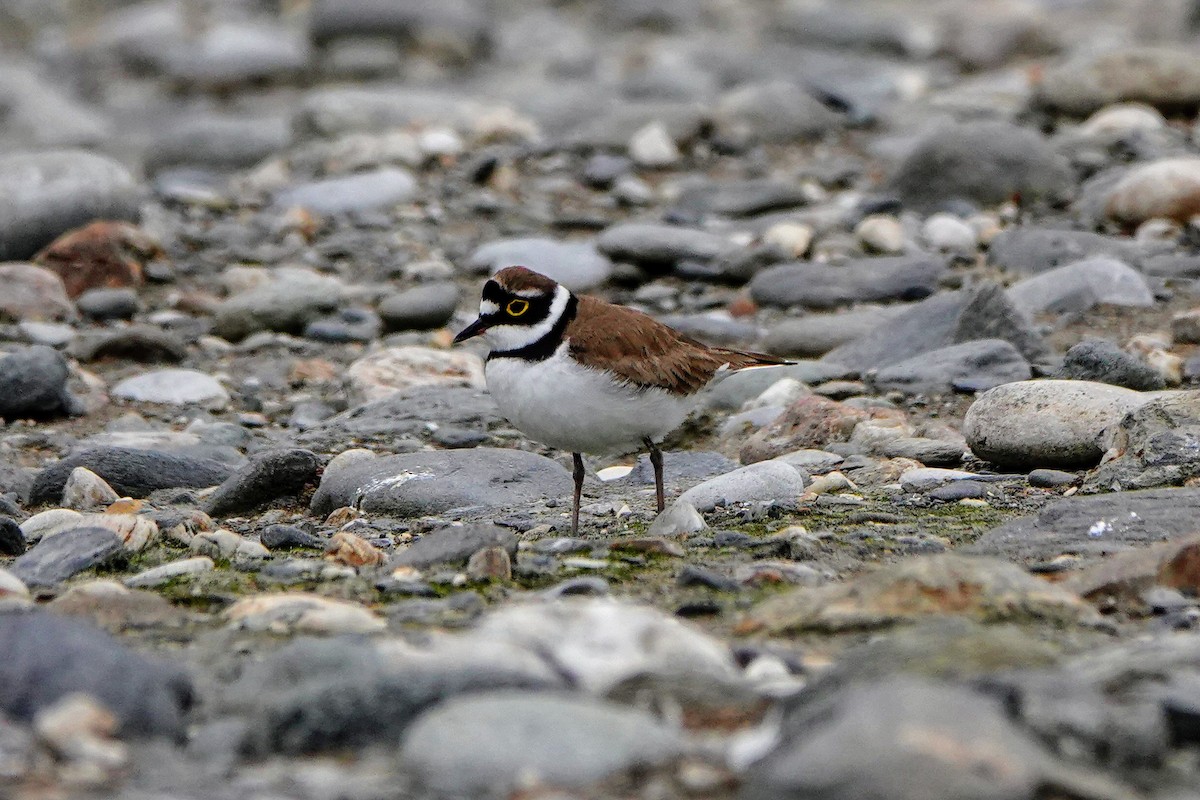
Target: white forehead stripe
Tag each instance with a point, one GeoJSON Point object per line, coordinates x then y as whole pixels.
{"type": "Point", "coordinates": [487, 307]}
{"type": "Point", "coordinates": [530, 293]}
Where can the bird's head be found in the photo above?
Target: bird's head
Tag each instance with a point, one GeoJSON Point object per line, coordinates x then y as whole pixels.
{"type": "Point", "coordinates": [517, 308]}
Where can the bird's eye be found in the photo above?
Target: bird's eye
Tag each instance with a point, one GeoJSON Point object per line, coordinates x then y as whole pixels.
{"type": "Point", "coordinates": [516, 308]}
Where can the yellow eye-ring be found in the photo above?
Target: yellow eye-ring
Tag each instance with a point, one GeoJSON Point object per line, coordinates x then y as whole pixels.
{"type": "Point", "coordinates": [516, 308]}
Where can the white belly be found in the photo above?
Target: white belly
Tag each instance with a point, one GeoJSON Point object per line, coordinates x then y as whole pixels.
{"type": "Point", "coordinates": [569, 407]}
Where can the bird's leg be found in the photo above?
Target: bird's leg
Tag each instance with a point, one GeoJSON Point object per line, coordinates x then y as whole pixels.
{"type": "Point", "coordinates": [656, 462]}
{"type": "Point", "coordinates": [578, 475]}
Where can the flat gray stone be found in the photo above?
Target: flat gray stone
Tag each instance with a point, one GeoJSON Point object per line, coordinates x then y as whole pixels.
{"type": "Point", "coordinates": [175, 387]}
{"type": "Point", "coordinates": [577, 265]}
{"type": "Point", "coordinates": [1082, 285]}
{"type": "Point", "coordinates": [131, 472]}
{"type": "Point", "coordinates": [814, 285]}
{"type": "Point", "coordinates": [56, 558]}
{"type": "Point", "coordinates": [764, 481]}
{"type": "Point", "coordinates": [489, 744]}
{"type": "Point", "coordinates": [971, 366]}
{"type": "Point", "coordinates": [454, 545]}
{"type": "Point", "coordinates": [364, 191]}
{"type": "Point", "coordinates": [436, 482]}
{"type": "Point", "coordinates": [660, 245]}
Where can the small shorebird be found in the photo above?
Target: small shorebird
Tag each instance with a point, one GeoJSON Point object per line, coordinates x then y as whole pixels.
{"type": "Point", "coordinates": [586, 376]}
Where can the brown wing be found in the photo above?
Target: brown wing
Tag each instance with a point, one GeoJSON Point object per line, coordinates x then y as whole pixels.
{"type": "Point", "coordinates": [647, 353]}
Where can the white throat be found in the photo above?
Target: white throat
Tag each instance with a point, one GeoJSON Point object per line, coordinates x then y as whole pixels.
{"type": "Point", "coordinates": [514, 337]}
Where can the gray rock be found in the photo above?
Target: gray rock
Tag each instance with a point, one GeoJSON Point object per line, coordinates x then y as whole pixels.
{"type": "Point", "coordinates": [1166, 77]}
{"type": "Point", "coordinates": [420, 308]}
{"type": "Point", "coordinates": [1093, 525]}
{"type": "Point", "coordinates": [134, 343]}
{"type": "Point", "coordinates": [221, 142]}
{"type": "Point", "coordinates": [944, 319]}
{"type": "Point", "coordinates": [984, 163]}
{"type": "Point", "coordinates": [728, 394]}
{"type": "Point", "coordinates": [1032, 248]}
{"type": "Point", "coordinates": [286, 305]}
{"type": "Point", "coordinates": [177, 387]}
{"type": "Point", "coordinates": [439, 481]}
{"type": "Point", "coordinates": [45, 194]}
{"type": "Point", "coordinates": [1156, 444]}
{"type": "Point", "coordinates": [864, 280]}
{"type": "Point", "coordinates": [773, 112]}
{"type": "Point", "coordinates": [268, 475]}
{"type": "Point", "coordinates": [347, 325]}
{"type": "Point", "coordinates": [336, 111]}
{"type": "Point", "coordinates": [681, 466]}
{"type": "Point", "coordinates": [577, 265]}
{"type": "Point", "coordinates": [1046, 423]}
{"type": "Point", "coordinates": [1080, 286]}
{"type": "Point", "coordinates": [277, 536]}
{"type": "Point", "coordinates": [765, 481]}
{"type": "Point", "coordinates": [457, 30]}
{"type": "Point", "coordinates": [12, 540]}
{"type": "Point", "coordinates": [1051, 478]}
{"type": "Point", "coordinates": [105, 304]}
{"type": "Point", "coordinates": [452, 546]}
{"type": "Point", "coordinates": [49, 656]}
{"type": "Point", "coordinates": [364, 191]}
{"type": "Point", "coordinates": [56, 558]}
{"type": "Point", "coordinates": [741, 198]}
{"type": "Point", "coordinates": [1102, 361]}
{"type": "Point", "coordinates": [233, 53]}
{"type": "Point", "coordinates": [660, 245]}
{"type": "Point", "coordinates": [33, 383]}
{"type": "Point", "coordinates": [405, 413]}
{"type": "Point", "coordinates": [823, 741]}
{"type": "Point", "coordinates": [298, 699]}
{"type": "Point", "coordinates": [814, 335]}
{"type": "Point", "coordinates": [489, 744]}
{"type": "Point", "coordinates": [131, 472]}
{"type": "Point", "coordinates": [971, 366]}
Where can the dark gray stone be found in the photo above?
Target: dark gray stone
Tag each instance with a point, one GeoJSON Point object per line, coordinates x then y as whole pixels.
{"type": "Point", "coordinates": [405, 413]}
{"type": "Point", "coordinates": [439, 481]}
{"type": "Point", "coordinates": [33, 383]}
{"type": "Point", "coordinates": [939, 321]}
{"type": "Point", "coordinates": [318, 695]}
{"type": "Point", "coordinates": [984, 163]}
{"type": "Point", "coordinates": [268, 476]}
{"type": "Point", "coordinates": [681, 466]}
{"type": "Point", "coordinates": [131, 472]}
{"type": "Point", "coordinates": [420, 308]}
{"type": "Point", "coordinates": [1093, 525]}
{"type": "Point", "coordinates": [577, 265]}
{"type": "Point", "coordinates": [48, 657]}
{"type": "Point", "coordinates": [660, 246]}
{"type": "Point", "coordinates": [46, 194]}
{"type": "Point", "coordinates": [105, 304]}
{"type": "Point", "coordinates": [489, 743]}
{"type": "Point", "coordinates": [348, 325]}
{"type": "Point", "coordinates": [285, 305]}
{"type": "Point", "coordinates": [1051, 478]}
{"type": "Point", "coordinates": [56, 558]}
{"type": "Point", "coordinates": [971, 366]}
{"type": "Point", "coordinates": [864, 280]}
{"type": "Point", "coordinates": [825, 738]}
{"type": "Point", "coordinates": [12, 540]}
{"type": "Point", "coordinates": [1032, 248]}
{"type": "Point", "coordinates": [274, 536]}
{"type": "Point", "coordinates": [741, 198]}
{"type": "Point", "coordinates": [1101, 360]}
{"type": "Point", "coordinates": [452, 546]}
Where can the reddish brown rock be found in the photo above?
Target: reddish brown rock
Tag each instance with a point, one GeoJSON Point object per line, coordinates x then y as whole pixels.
{"type": "Point", "coordinates": [100, 255]}
{"type": "Point", "coordinates": [809, 422]}
{"type": "Point", "coordinates": [353, 551]}
{"type": "Point", "coordinates": [1119, 580]}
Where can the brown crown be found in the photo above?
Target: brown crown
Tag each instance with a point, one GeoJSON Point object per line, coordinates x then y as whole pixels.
{"type": "Point", "coordinates": [519, 279]}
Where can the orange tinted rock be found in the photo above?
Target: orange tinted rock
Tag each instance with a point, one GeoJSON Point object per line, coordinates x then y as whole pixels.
{"type": "Point", "coordinates": [100, 255]}
{"type": "Point", "coordinates": [353, 551]}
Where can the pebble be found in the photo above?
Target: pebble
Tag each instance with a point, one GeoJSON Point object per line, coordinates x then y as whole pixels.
{"type": "Point", "coordinates": [815, 285]}
{"type": "Point", "coordinates": [34, 293]}
{"type": "Point", "coordinates": [518, 738]}
{"type": "Point", "coordinates": [1077, 287]}
{"type": "Point", "coordinates": [1102, 361]}
{"type": "Point", "coordinates": [386, 371]}
{"type": "Point", "coordinates": [1051, 478]}
{"type": "Point", "coordinates": [299, 612]}
{"type": "Point", "coordinates": [881, 234]}
{"type": "Point", "coordinates": [652, 146]}
{"type": "Point", "coordinates": [1046, 423]}
{"type": "Point", "coordinates": [287, 303]}
{"type": "Point", "coordinates": [381, 188]}
{"type": "Point", "coordinates": [660, 245]}
{"type": "Point", "coordinates": [56, 558]}
{"type": "Point", "coordinates": [1165, 189]}
{"type": "Point", "coordinates": [106, 304]}
{"type": "Point", "coordinates": [421, 308]}
{"type": "Point", "coordinates": [184, 567]}
{"type": "Point", "coordinates": [172, 387]}
{"type": "Point", "coordinates": [353, 551]}
{"type": "Point", "coordinates": [454, 546]}
{"type": "Point", "coordinates": [269, 475]}
{"type": "Point", "coordinates": [763, 481]}
{"type": "Point", "coordinates": [1162, 76]}
{"type": "Point", "coordinates": [680, 519]}
{"type": "Point", "coordinates": [435, 482]}
{"type": "Point", "coordinates": [12, 538]}
{"type": "Point", "coordinates": [33, 383]}
{"type": "Point", "coordinates": [971, 367]}
{"type": "Point", "coordinates": [946, 233]}
{"type": "Point", "coordinates": [130, 472]}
